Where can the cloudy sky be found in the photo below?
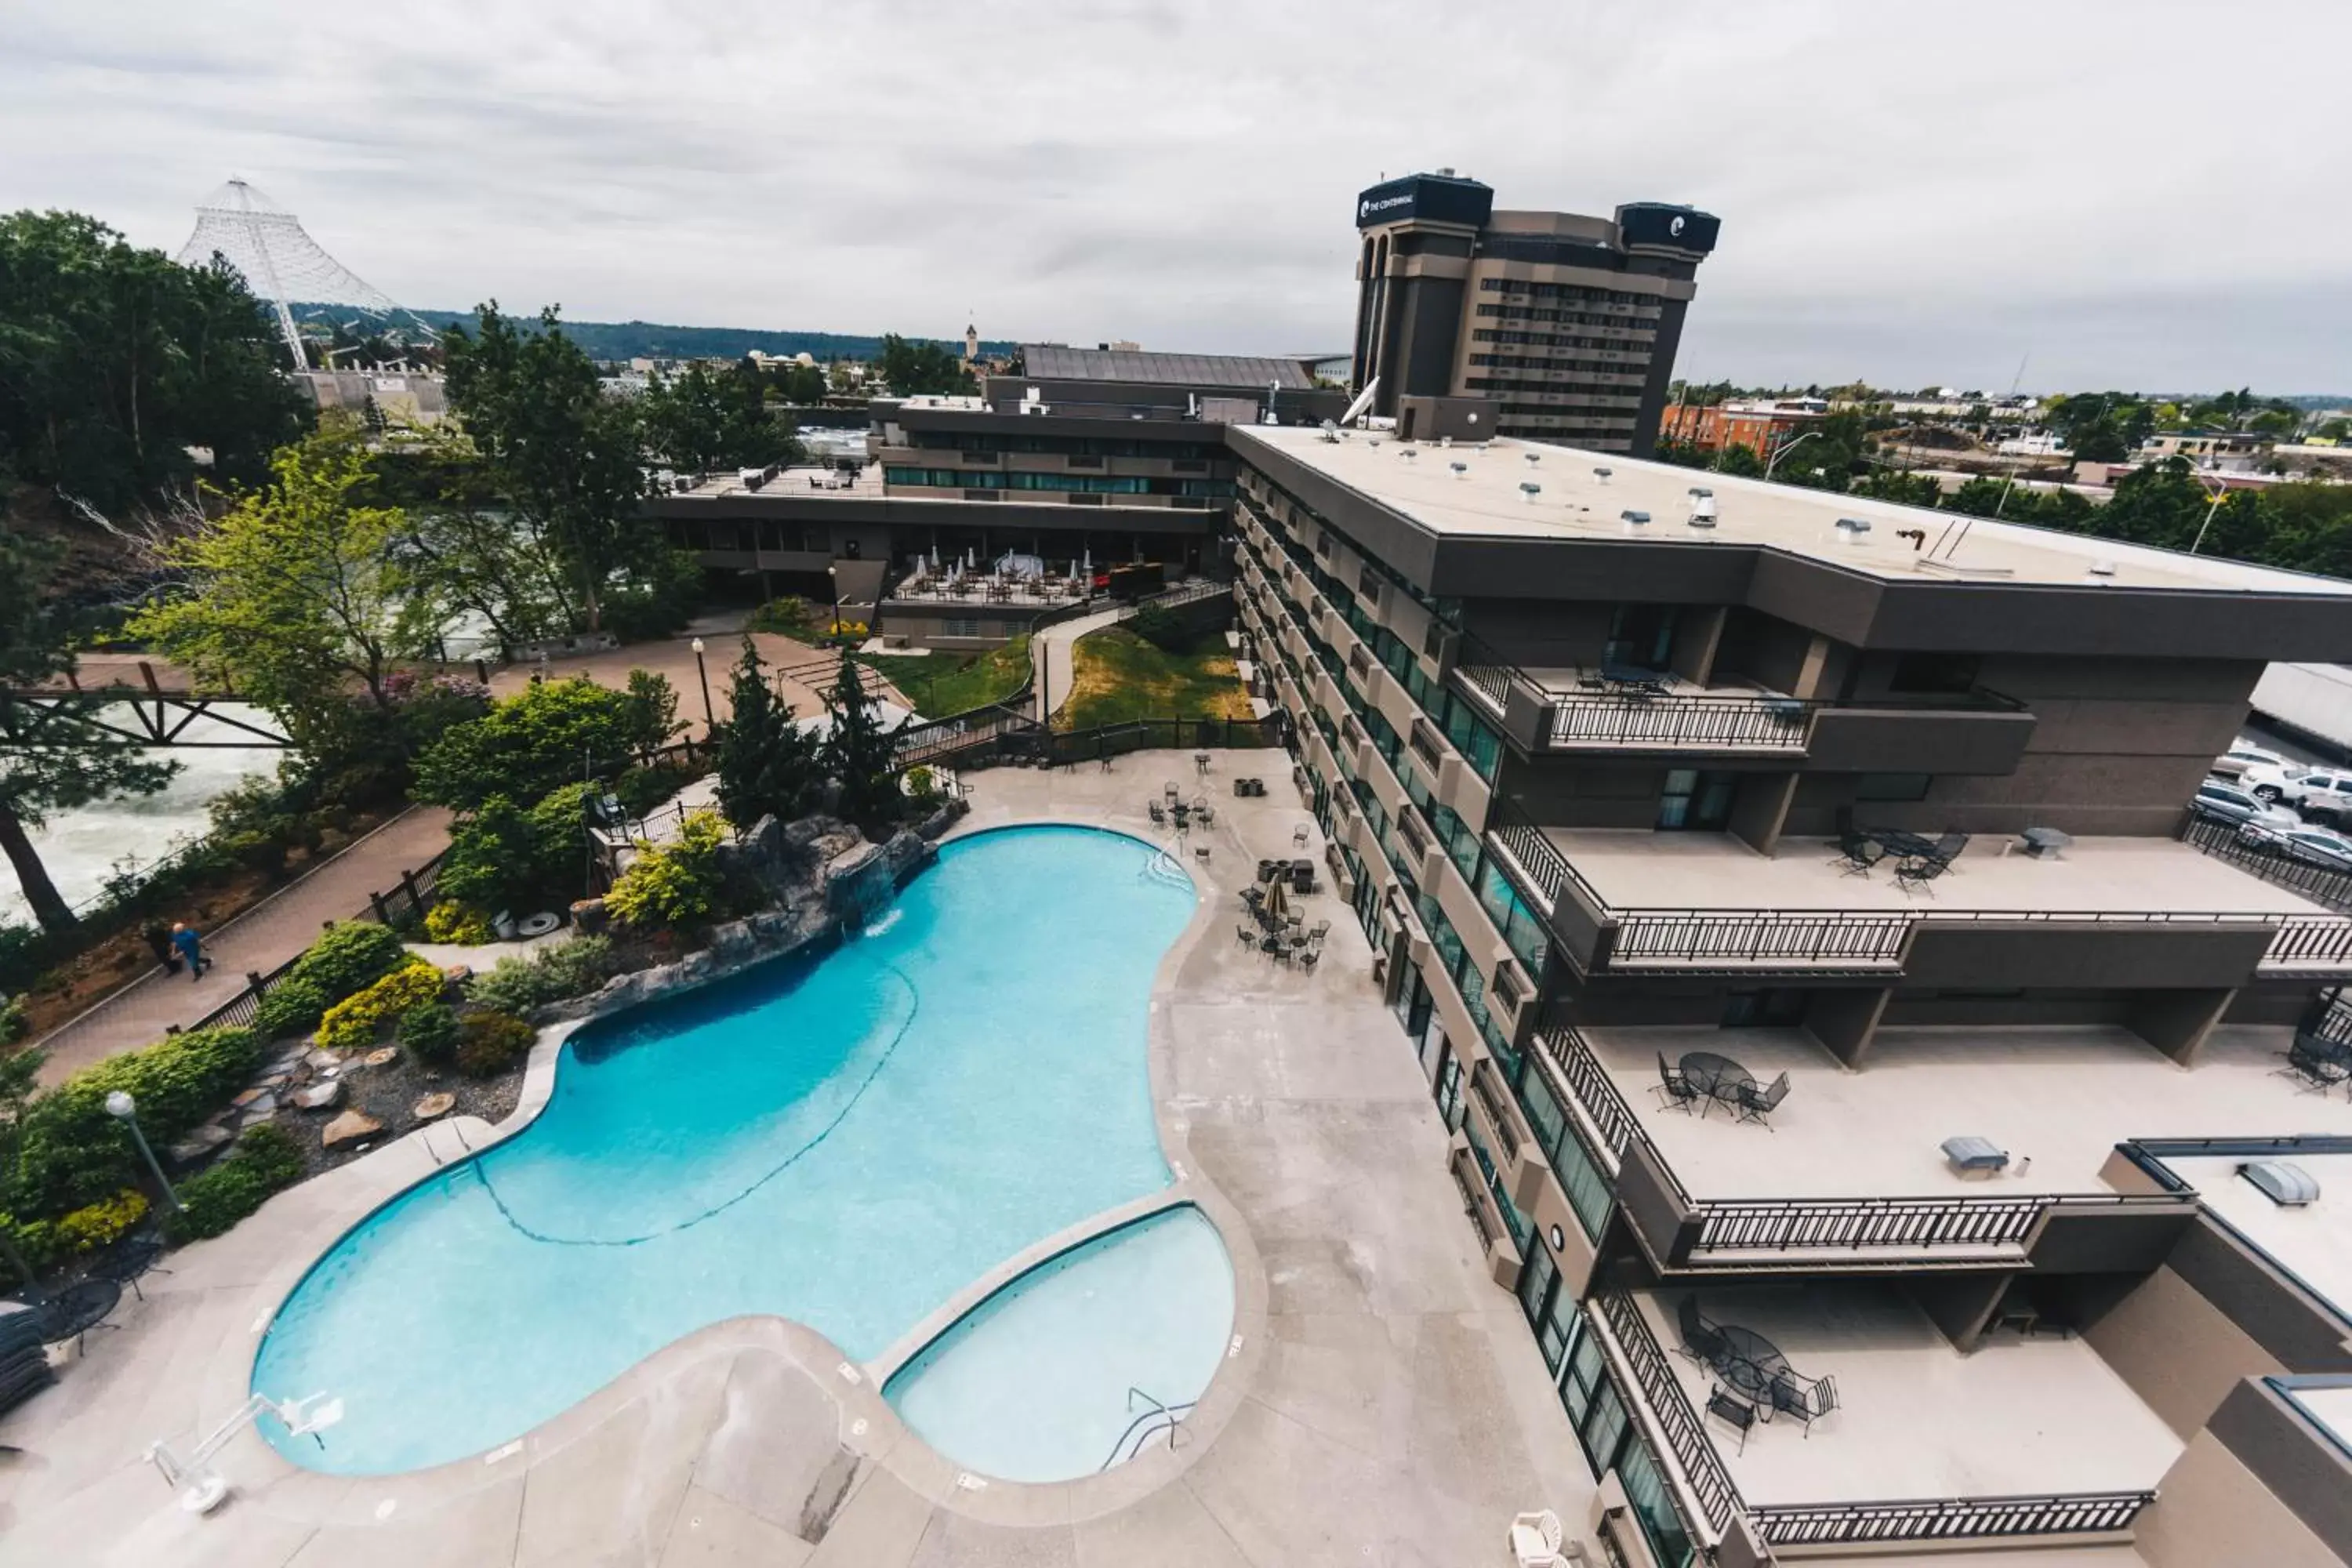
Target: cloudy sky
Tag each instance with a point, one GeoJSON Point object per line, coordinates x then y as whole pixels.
{"type": "Point", "coordinates": [2134, 193]}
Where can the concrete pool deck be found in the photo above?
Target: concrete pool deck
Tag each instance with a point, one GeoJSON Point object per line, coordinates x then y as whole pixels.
{"type": "Point", "coordinates": [1386, 1404]}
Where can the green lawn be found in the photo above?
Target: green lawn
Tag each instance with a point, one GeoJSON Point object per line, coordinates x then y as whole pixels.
{"type": "Point", "coordinates": [1116, 676]}
{"type": "Point", "coordinates": [942, 684]}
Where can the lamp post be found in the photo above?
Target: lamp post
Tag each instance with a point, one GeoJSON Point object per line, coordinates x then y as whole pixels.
{"type": "Point", "coordinates": [125, 1110]}
{"type": "Point", "coordinates": [703, 672]}
{"type": "Point", "coordinates": [1786, 449]}
{"type": "Point", "coordinates": [832, 580]}
{"type": "Point", "coordinates": [2220, 490]}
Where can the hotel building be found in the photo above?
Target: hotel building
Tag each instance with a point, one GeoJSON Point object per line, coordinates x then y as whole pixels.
{"type": "Point", "coordinates": [1583, 733]}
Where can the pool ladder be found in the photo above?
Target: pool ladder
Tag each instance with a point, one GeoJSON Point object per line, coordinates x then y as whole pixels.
{"type": "Point", "coordinates": [1168, 1418]}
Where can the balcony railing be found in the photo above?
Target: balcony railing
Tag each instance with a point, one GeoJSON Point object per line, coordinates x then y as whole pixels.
{"type": "Point", "coordinates": [2311, 942]}
{"type": "Point", "coordinates": [2226, 841]}
{"type": "Point", "coordinates": [1947, 1519]}
{"type": "Point", "coordinates": [1759, 936]}
{"type": "Point", "coordinates": [1703, 1469]}
{"type": "Point", "coordinates": [1476, 1201]}
{"type": "Point", "coordinates": [1684, 722]}
{"type": "Point", "coordinates": [1482, 1086]}
{"type": "Point", "coordinates": [1586, 1087]}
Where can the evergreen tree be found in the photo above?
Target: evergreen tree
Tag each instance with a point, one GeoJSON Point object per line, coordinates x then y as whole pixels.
{"type": "Point", "coordinates": [766, 762]}
{"type": "Point", "coordinates": [858, 753]}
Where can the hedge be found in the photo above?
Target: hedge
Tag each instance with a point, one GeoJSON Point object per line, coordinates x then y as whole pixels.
{"type": "Point", "coordinates": [264, 1162]}
{"type": "Point", "coordinates": [71, 1153]}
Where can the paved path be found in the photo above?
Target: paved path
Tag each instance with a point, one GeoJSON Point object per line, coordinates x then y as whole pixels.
{"type": "Point", "coordinates": [261, 939]}
{"type": "Point", "coordinates": [674, 658]}
{"type": "Point", "coordinates": [1049, 655]}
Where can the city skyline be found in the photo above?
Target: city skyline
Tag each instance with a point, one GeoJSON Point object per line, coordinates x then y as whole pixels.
{"type": "Point", "coordinates": [1924, 204]}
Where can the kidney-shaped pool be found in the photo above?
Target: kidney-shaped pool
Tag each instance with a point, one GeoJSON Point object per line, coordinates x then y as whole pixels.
{"type": "Point", "coordinates": [846, 1141]}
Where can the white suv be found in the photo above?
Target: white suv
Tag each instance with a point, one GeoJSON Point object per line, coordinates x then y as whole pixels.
{"type": "Point", "coordinates": [2322, 795]}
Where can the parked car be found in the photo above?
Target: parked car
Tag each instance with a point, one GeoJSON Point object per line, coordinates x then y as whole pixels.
{"type": "Point", "coordinates": [2270, 781]}
{"type": "Point", "coordinates": [2234, 762]}
{"type": "Point", "coordinates": [2312, 846]}
{"type": "Point", "coordinates": [2217, 802]}
{"type": "Point", "coordinates": [2322, 795]}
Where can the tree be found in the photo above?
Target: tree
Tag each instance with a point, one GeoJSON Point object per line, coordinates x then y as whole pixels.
{"type": "Point", "coordinates": [115, 361]}
{"type": "Point", "coordinates": [293, 599]}
{"type": "Point", "coordinates": [651, 711]}
{"type": "Point", "coordinates": [563, 455]}
{"type": "Point", "coordinates": [49, 761]}
{"type": "Point", "coordinates": [552, 733]}
{"type": "Point", "coordinates": [914, 366]}
{"type": "Point", "coordinates": [858, 752]}
{"type": "Point", "coordinates": [2100, 441]}
{"type": "Point", "coordinates": [767, 764]}
{"type": "Point", "coordinates": [467, 549]}
{"type": "Point", "coordinates": [704, 421]}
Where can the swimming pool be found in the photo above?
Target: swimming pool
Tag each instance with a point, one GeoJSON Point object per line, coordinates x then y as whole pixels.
{"type": "Point", "coordinates": [846, 1141]}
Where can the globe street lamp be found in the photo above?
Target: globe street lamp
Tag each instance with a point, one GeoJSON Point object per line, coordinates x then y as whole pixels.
{"type": "Point", "coordinates": [833, 579]}
{"type": "Point", "coordinates": [125, 1110]}
{"type": "Point", "coordinates": [709, 723]}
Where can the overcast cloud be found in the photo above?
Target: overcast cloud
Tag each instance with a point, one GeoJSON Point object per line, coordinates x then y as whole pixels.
{"type": "Point", "coordinates": [2134, 193]}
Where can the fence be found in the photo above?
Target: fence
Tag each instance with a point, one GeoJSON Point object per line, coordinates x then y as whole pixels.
{"type": "Point", "coordinates": [1947, 1519]}
{"type": "Point", "coordinates": [1740, 936]}
{"type": "Point", "coordinates": [1702, 1466]}
{"type": "Point", "coordinates": [2262, 857]}
{"type": "Point", "coordinates": [1695, 722]}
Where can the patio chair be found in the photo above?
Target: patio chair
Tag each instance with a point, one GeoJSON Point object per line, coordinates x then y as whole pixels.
{"type": "Point", "coordinates": [1917, 871]}
{"type": "Point", "coordinates": [132, 1258]}
{"type": "Point", "coordinates": [1248, 935]}
{"type": "Point", "coordinates": [1806, 1398]}
{"type": "Point", "coordinates": [1948, 848]}
{"type": "Point", "coordinates": [2311, 1065]}
{"type": "Point", "coordinates": [1318, 930]}
{"type": "Point", "coordinates": [1702, 1341]}
{"type": "Point", "coordinates": [1310, 955]}
{"type": "Point", "coordinates": [1538, 1541]}
{"type": "Point", "coordinates": [1673, 1086]}
{"type": "Point", "coordinates": [1205, 814]}
{"type": "Point", "coordinates": [1159, 814]}
{"type": "Point", "coordinates": [1731, 1410]}
{"type": "Point", "coordinates": [1758, 1104]}
{"type": "Point", "coordinates": [1859, 854]}
{"type": "Point", "coordinates": [72, 1312]}
{"type": "Point", "coordinates": [1298, 836]}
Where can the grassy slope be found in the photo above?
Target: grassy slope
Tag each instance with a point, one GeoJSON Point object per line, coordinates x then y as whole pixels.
{"type": "Point", "coordinates": [942, 684]}
{"type": "Point", "coordinates": [1118, 677]}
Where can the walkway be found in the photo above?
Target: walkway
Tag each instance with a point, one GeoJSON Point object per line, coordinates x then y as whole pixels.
{"type": "Point", "coordinates": [674, 658]}
{"type": "Point", "coordinates": [259, 940]}
{"type": "Point", "coordinates": [1049, 655]}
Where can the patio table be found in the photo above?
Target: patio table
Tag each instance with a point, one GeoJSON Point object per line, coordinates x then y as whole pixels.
{"type": "Point", "coordinates": [1717, 1077]}
{"type": "Point", "coordinates": [1750, 1362]}
{"type": "Point", "coordinates": [1899, 843]}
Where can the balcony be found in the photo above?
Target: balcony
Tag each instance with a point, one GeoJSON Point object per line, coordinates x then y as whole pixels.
{"type": "Point", "coordinates": [2029, 1438]}
{"type": "Point", "coordinates": [1852, 1175]}
{"type": "Point", "coordinates": [2118, 913]}
{"type": "Point", "coordinates": [1573, 711]}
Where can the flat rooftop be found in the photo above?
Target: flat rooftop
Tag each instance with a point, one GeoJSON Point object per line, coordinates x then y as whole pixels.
{"type": "Point", "coordinates": [1916, 1418]}
{"type": "Point", "coordinates": [1484, 500]}
{"type": "Point", "coordinates": [822, 480]}
{"type": "Point", "coordinates": [1636, 868]}
{"type": "Point", "coordinates": [2313, 1242]}
{"type": "Point", "coordinates": [2058, 1099]}
{"type": "Point", "coordinates": [1054, 362]}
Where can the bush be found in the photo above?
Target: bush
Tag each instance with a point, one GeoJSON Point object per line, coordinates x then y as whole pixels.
{"type": "Point", "coordinates": [450, 920]}
{"type": "Point", "coordinates": [673, 884]}
{"type": "Point", "coordinates": [350, 957]}
{"type": "Point", "coordinates": [528, 744]}
{"type": "Point", "coordinates": [264, 1162]}
{"type": "Point", "coordinates": [11, 1020]}
{"type": "Point", "coordinates": [789, 617]}
{"type": "Point", "coordinates": [352, 1023]}
{"type": "Point", "coordinates": [292, 1006]}
{"type": "Point", "coordinates": [70, 1154]}
{"type": "Point", "coordinates": [569, 969]}
{"type": "Point", "coordinates": [103, 1222]}
{"type": "Point", "coordinates": [490, 1043]}
{"type": "Point", "coordinates": [429, 1034]}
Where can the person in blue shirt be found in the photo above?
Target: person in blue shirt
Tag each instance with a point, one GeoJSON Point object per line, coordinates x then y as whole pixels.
{"type": "Point", "coordinates": [192, 948]}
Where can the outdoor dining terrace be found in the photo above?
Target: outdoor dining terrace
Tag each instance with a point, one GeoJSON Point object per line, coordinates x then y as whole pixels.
{"type": "Point", "coordinates": [2030, 1434]}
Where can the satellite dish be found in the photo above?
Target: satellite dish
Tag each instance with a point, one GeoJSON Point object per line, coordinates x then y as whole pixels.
{"type": "Point", "coordinates": [1363, 401]}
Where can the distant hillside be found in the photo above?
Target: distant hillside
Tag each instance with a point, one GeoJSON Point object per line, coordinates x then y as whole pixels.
{"type": "Point", "coordinates": [650, 340]}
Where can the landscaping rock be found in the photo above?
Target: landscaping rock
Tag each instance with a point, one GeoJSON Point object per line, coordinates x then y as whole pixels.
{"type": "Point", "coordinates": [274, 1081]}
{"type": "Point", "coordinates": [322, 1096]}
{"type": "Point", "coordinates": [246, 1097]}
{"type": "Point", "coordinates": [260, 1108]}
{"type": "Point", "coordinates": [383, 1055]}
{"type": "Point", "coordinates": [318, 1061]}
{"type": "Point", "coordinates": [452, 979]}
{"type": "Point", "coordinates": [348, 1128]}
{"type": "Point", "coordinates": [199, 1142]}
{"type": "Point", "coordinates": [433, 1105]}
{"type": "Point", "coordinates": [286, 1061]}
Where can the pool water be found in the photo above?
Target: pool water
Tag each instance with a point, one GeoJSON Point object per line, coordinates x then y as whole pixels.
{"type": "Point", "coordinates": [1081, 1362]}
{"type": "Point", "coordinates": [846, 1141]}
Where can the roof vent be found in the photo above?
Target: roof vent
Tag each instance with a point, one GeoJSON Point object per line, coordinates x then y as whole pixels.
{"type": "Point", "coordinates": [1634, 518]}
{"type": "Point", "coordinates": [1532, 457]}
{"type": "Point", "coordinates": [1852, 529]}
{"type": "Point", "coordinates": [1376, 441]}
{"type": "Point", "coordinates": [2101, 569]}
{"type": "Point", "coordinates": [1530, 490]}
{"type": "Point", "coordinates": [2289, 1186]}
{"type": "Point", "coordinates": [1698, 490]}
{"type": "Point", "coordinates": [1601, 474]}
{"type": "Point", "coordinates": [1406, 452]}
{"type": "Point", "coordinates": [1702, 510]}
{"type": "Point", "coordinates": [1461, 471]}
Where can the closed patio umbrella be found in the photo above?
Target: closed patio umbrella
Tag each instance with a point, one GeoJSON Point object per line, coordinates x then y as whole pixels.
{"type": "Point", "coordinates": [1278, 902]}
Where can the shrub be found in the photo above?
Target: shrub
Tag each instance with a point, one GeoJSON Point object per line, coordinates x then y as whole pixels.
{"type": "Point", "coordinates": [103, 1222]}
{"type": "Point", "coordinates": [788, 617]}
{"type": "Point", "coordinates": [642, 789]}
{"type": "Point", "coordinates": [429, 1034]}
{"type": "Point", "coordinates": [673, 884]}
{"type": "Point", "coordinates": [292, 1006]}
{"type": "Point", "coordinates": [569, 969]}
{"type": "Point", "coordinates": [354, 1021]}
{"type": "Point", "coordinates": [490, 1043]}
{"type": "Point", "coordinates": [450, 920]}
{"type": "Point", "coordinates": [35, 1241]}
{"type": "Point", "coordinates": [504, 857]}
{"type": "Point", "coordinates": [349, 957]}
{"type": "Point", "coordinates": [11, 1020]}
{"type": "Point", "coordinates": [265, 1161]}
{"type": "Point", "coordinates": [528, 744]}
{"type": "Point", "coordinates": [70, 1154]}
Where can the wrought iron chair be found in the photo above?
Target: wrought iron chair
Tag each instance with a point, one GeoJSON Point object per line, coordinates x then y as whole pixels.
{"type": "Point", "coordinates": [1806, 1398]}
{"type": "Point", "coordinates": [1702, 1341]}
{"type": "Point", "coordinates": [1731, 1410]}
{"type": "Point", "coordinates": [2311, 1064]}
{"type": "Point", "coordinates": [1676, 1088]}
{"type": "Point", "coordinates": [1858, 854]}
{"type": "Point", "coordinates": [1758, 1104]}
{"type": "Point", "coordinates": [1917, 871]}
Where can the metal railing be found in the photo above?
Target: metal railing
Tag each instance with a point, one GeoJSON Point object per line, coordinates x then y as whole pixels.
{"type": "Point", "coordinates": [1482, 1088]}
{"type": "Point", "coordinates": [1580, 1073]}
{"type": "Point", "coordinates": [2311, 942]}
{"type": "Point", "coordinates": [1949, 1519]}
{"type": "Point", "coordinates": [2226, 841]}
{"type": "Point", "coordinates": [1766, 1224]}
{"type": "Point", "coordinates": [1703, 1469]}
{"type": "Point", "coordinates": [1761, 936]}
{"type": "Point", "coordinates": [1694, 721]}
{"type": "Point", "coordinates": [1475, 1199]}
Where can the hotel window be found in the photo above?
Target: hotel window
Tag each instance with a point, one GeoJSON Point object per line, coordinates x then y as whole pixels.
{"type": "Point", "coordinates": [1893, 786]}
